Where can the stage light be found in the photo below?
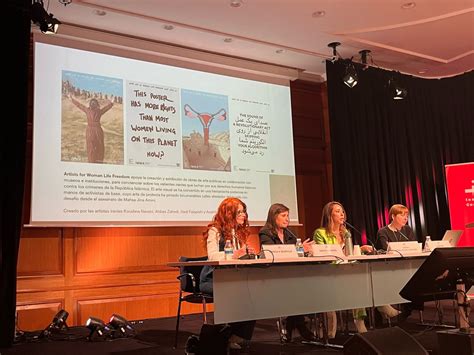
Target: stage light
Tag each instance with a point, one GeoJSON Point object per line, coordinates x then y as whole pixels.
{"type": "Point", "coordinates": [119, 323]}
{"type": "Point", "coordinates": [60, 318]}
{"type": "Point", "coordinates": [364, 53]}
{"type": "Point", "coordinates": [335, 54]}
{"type": "Point", "coordinates": [46, 22]}
{"type": "Point", "coordinates": [96, 325]}
{"type": "Point", "coordinates": [351, 78]}
{"type": "Point", "coordinates": [397, 92]}
{"type": "Point", "coordinates": [58, 322]}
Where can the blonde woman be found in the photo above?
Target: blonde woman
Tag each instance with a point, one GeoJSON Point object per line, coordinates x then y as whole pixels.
{"type": "Point", "coordinates": [333, 231]}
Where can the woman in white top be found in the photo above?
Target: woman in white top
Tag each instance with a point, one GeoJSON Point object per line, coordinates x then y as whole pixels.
{"type": "Point", "coordinates": [230, 223]}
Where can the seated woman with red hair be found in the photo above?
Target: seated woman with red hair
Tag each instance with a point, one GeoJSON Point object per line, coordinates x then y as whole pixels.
{"type": "Point", "coordinates": [230, 223]}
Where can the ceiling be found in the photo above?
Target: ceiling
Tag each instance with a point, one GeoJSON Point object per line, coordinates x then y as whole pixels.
{"type": "Point", "coordinates": [426, 38]}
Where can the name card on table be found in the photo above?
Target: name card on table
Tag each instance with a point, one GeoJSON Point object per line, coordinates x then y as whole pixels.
{"type": "Point", "coordinates": [279, 251]}
{"type": "Point", "coordinates": [433, 244]}
{"type": "Point", "coordinates": [328, 250]}
{"type": "Point", "coordinates": [404, 247]}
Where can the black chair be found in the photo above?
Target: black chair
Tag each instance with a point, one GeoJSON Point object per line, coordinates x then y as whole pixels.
{"type": "Point", "coordinates": [189, 290]}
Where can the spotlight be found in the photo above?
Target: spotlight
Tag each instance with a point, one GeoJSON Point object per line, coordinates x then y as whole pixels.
{"type": "Point", "coordinates": [351, 78]}
{"type": "Point", "coordinates": [58, 322]}
{"type": "Point", "coordinates": [335, 54]}
{"type": "Point", "coordinates": [46, 22]}
{"type": "Point", "coordinates": [96, 325]}
{"type": "Point", "coordinates": [397, 92]}
{"type": "Point", "coordinates": [363, 57]}
{"type": "Point", "coordinates": [119, 323]}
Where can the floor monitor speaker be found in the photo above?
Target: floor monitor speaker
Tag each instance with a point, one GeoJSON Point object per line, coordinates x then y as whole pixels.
{"type": "Point", "coordinates": [456, 342]}
{"type": "Point", "coordinates": [385, 341]}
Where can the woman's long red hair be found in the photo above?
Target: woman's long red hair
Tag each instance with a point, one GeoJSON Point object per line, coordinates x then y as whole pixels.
{"type": "Point", "coordinates": [225, 220]}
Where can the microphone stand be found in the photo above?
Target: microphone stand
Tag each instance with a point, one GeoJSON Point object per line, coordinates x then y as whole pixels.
{"type": "Point", "coordinates": [296, 237]}
{"type": "Point", "coordinates": [403, 235]}
{"type": "Point", "coordinates": [375, 252]}
{"type": "Point", "coordinates": [292, 234]}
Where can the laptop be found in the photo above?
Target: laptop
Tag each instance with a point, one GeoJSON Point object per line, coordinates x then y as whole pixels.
{"type": "Point", "coordinates": [452, 236]}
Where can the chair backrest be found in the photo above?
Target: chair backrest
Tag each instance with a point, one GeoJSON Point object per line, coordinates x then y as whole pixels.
{"type": "Point", "coordinates": [195, 270]}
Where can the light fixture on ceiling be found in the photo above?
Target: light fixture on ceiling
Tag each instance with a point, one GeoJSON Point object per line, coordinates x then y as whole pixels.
{"type": "Point", "coordinates": [279, 51]}
{"type": "Point", "coordinates": [408, 5]}
{"type": "Point", "coordinates": [228, 40]}
{"type": "Point", "coordinates": [397, 92]}
{"type": "Point", "coordinates": [100, 12]}
{"type": "Point", "coordinates": [96, 325]}
{"type": "Point", "coordinates": [168, 27]}
{"type": "Point", "coordinates": [46, 22]}
{"type": "Point", "coordinates": [65, 2]}
{"type": "Point", "coordinates": [335, 53]}
{"type": "Point", "coordinates": [236, 3]}
{"type": "Point", "coordinates": [120, 324]}
{"type": "Point", "coordinates": [58, 323]}
{"type": "Point", "coordinates": [320, 13]}
{"type": "Point", "coordinates": [351, 78]}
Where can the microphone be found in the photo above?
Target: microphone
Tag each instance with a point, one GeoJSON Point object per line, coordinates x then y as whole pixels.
{"type": "Point", "coordinates": [403, 235]}
{"type": "Point", "coordinates": [375, 252]}
{"type": "Point", "coordinates": [293, 234]}
{"type": "Point", "coordinates": [354, 228]}
{"type": "Point", "coordinates": [296, 237]}
{"type": "Point", "coordinates": [248, 255]}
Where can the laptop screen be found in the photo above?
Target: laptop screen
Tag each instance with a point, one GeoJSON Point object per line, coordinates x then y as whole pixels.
{"type": "Point", "coordinates": [452, 236]}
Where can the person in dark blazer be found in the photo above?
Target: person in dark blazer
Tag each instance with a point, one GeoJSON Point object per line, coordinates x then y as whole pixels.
{"type": "Point", "coordinates": [275, 231]}
{"type": "Point", "coordinates": [398, 231]}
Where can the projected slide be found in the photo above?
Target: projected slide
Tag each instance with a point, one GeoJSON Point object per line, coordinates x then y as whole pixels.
{"type": "Point", "coordinates": [119, 141]}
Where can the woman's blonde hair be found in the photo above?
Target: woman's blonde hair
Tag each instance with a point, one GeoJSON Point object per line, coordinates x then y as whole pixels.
{"type": "Point", "coordinates": [326, 220]}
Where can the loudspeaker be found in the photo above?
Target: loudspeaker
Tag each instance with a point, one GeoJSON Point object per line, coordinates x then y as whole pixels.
{"type": "Point", "coordinates": [455, 342]}
{"type": "Point", "coordinates": [385, 341]}
{"type": "Point", "coordinates": [213, 339]}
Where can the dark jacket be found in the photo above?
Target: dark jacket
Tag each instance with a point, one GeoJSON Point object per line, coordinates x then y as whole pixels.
{"type": "Point", "coordinates": [268, 237]}
{"type": "Point", "coordinates": [386, 235]}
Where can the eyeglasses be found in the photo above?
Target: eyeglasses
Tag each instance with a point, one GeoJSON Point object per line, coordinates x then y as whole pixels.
{"type": "Point", "coordinates": [241, 212]}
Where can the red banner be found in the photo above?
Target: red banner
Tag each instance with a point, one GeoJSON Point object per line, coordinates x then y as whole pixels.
{"type": "Point", "coordinates": [460, 184]}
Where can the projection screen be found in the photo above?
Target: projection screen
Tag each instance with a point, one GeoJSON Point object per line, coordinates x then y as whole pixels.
{"type": "Point", "coordinates": [122, 141]}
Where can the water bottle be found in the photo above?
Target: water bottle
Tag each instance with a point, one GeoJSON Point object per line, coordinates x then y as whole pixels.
{"type": "Point", "coordinates": [299, 247]}
{"type": "Point", "coordinates": [348, 246]}
{"type": "Point", "coordinates": [427, 247]}
{"type": "Point", "coordinates": [228, 250]}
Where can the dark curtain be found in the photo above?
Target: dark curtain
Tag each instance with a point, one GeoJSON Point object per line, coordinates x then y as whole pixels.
{"type": "Point", "coordinates": [16, 44]}
{"type": "Point", "coordinates": [387, 151]}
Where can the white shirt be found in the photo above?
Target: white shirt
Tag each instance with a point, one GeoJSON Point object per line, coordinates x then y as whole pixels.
{"type": "Point", "coordinates": [212, 245]}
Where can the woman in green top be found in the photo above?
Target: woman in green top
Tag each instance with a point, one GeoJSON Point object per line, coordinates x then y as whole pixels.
{"type": "Point", "coordinates": [333, 231]}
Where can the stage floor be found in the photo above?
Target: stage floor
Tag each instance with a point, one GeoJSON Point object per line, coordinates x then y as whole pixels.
{"type": "Point", "coordinates": [155, 336]}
